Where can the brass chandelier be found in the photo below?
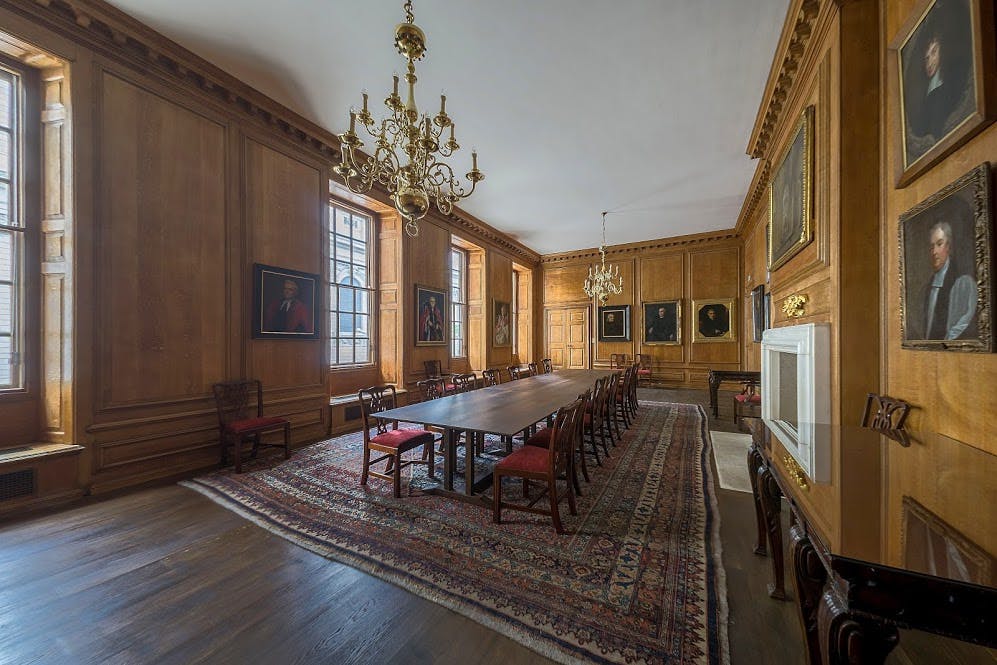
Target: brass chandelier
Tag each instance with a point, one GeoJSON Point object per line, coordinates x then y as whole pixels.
{"type": "Point", "coordinates": [602, 281]}
{"type": "Point", "coordinates": [406, 136]}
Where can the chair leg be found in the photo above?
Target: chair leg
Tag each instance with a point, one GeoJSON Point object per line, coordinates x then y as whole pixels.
{"type": "Point", "coordinates": [555, 515]}
{"type": "Point", "coordinates": [397, 476]}
{"type": "Point", "coordinates": [602, 438]}
{"type": "Point", "coordinates": [585, 467]}
{"type": "Point", "coordinates": [287, 440]}
{"type": "Point", "coordinates": [256, 446]}
{"type": "Point", "coordinates": [497, 498]}
{"type": "Point", "coordinates": [526, 488]}
{"type": "Point", "coordinates": [366, 465]}
{"type": "Point", "coordinates": [223, 442]}
{"type": "Point", "coordinates": [571, 502]}
{"type": "Point", "coordinates": [431, 468]}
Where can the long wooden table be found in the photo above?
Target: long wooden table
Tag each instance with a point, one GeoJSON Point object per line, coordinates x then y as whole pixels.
{"type": "Point", "coordinates": [505, 409]}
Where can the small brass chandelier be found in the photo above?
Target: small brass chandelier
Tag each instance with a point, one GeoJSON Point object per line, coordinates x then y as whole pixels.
{"type": "Point", "coordinates": [602, 281]}
{"type": "Point", "coordinates": [406, 136]}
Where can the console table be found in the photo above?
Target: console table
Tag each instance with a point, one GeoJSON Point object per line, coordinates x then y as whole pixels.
{"type": "Point", "coordinates": [904, 535]}
{"type": "Point", "coordinates": [718, 376]}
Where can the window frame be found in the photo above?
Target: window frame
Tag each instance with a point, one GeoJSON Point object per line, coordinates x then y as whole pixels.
{"type": "Point", "coordinates": [458, 304]}
{"type": "Point", "coordinates": [514, 318]}
{"type": "Point", "coordinates": [334, 287]}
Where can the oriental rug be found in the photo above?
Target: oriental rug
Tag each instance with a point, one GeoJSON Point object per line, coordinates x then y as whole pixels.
{"type": "Point", "coordinates": [638, 577]}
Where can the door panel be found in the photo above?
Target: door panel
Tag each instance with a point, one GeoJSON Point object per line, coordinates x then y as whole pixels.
{"type": "Point", "coordinates": [567, 337]}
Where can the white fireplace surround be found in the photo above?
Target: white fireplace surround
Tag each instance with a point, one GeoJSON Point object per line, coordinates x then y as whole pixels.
{"type": "Point", "coordinates": [799, 418]}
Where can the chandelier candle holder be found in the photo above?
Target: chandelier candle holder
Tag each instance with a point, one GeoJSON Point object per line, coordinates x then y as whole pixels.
{"type": "Point", "coordinates": [408, 146]}
{"type": "Point", "coordinates": [602, 281]}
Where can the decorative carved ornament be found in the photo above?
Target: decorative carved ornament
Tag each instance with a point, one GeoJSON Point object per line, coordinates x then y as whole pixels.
{"type": "Point", "coordinates": [792, 306]}
{"type": "Point", "coordinates": [774, 103]}
{"type": "Point", "coordinates": [637, 248]}
{"type": "Point", "coordinates": [795, 472]}
{"type": "Point", "coordinates": [106, 30]}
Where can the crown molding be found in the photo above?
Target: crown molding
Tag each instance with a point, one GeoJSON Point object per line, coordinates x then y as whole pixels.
{"type": "Point", "coordinates": [758, 188]}
{"type": "Point", "coordinates": [110, 32]}
{"type": "Point", "coordinates": [642, 247]}
{"type": "Point", "coordinates": [796, 33]}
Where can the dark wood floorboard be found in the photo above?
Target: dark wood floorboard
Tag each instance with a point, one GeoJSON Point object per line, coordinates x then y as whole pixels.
{"type": "Point", "coordinates": [163, 575]}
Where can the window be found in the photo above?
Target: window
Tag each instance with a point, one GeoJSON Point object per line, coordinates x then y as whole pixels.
{"type": "Point", "coordinates": [515, 312]}
{"type": "Point", "coordinates": [350, 292]}
{"type": "Point", "coordinates": [12, 235]}
{"type": "Point", "coordinates": [458, 303]}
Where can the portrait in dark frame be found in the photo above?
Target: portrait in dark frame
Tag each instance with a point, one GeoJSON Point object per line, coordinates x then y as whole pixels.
{"type": "Point", "coordinates": [284, 303]}
{"type": "Point", "coordinates": [501, 323]}
{"type": "Point", "coordinates": [663, 322]}
{"type": "Point", "coordinates": [614, 323]}
{"type": "Point", "coordinates": [790, 226]}
{"type": "Point", "coordinates": [941, 81]}
{"type": "Point", "coordinates": [945, 258]}
{"type": "Point", "coordinates": [759, 317]}
{"type": "Point", "coordinates": [430, 316]}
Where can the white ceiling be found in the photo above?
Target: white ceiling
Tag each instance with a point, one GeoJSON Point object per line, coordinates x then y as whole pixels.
{"type": "Point", "coordinates": [575, 106]}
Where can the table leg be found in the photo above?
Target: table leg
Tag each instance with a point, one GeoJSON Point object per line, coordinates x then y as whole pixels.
{"type": "Point", "coordinates": [771, 497]}
{"type": "Point", "coordinates": [754, 463]}
{"type": "Point", "coordinates": [448, 458]}
{"type": "Point", "coordinates": [846, 637]}
{"type": "Point", "coordinates": [469, 446]}
{"type": "Point", "coordinates": [714, 387]}
{"type": "Point", "coordinates": [810, 576]}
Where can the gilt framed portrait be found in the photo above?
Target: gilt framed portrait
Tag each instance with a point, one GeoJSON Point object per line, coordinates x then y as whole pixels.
{"type": "Point", "coordinates": [501, 323]}
{"type": "Point", "coordinates": [946, 249]}
{"type": "Point", "coordinates": [430, 316]}
{"type": "Point", "coordinates": [790, 226]}
{"type": "Point", "coordinates": [715, 321]}
{"type": "Point", "coordinates": [284, 303]}
{"type": "Point", "coordinates": [759, 315]}
{"type": "Point", "coordinates": [662, 322]}
{"type": "Point", "coordinates": [940, 81]}
{"type": "Point", "coordinates": [614, 323]}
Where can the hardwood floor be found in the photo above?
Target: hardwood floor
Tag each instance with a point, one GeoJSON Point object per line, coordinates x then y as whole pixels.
{"type": "Point", "coordinates": [163, 575]}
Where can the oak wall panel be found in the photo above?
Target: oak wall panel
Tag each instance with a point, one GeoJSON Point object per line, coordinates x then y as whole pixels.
{"type": "Point", "coordinates": [161, 260]}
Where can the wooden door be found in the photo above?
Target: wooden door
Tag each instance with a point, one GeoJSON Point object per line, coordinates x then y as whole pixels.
{"type": "Point", "coordinates": [566, 332]}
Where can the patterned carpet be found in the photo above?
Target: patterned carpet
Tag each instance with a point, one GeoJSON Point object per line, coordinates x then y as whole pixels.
{"type": "Point", "coordinates": [638, 578]}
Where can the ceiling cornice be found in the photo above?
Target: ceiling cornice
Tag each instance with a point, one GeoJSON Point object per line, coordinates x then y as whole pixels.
{"type": "Point", "coordinates": [113, 33]}
{"type": "Point", "coordinates": [796, 33]}
{"type": "Point", "coordinates": [552, 260]}
{"type": "Point", "coordinates": [758, 188]}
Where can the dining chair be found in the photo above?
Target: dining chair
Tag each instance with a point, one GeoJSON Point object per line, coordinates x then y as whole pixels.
{"type": "Point", "coordinates": [517, 372]}
{"type": "Point", "coordinates": [612, 410]}
{"type": "Point", "coordinates": [548, 365]}
{"type": "Point", "coordinates": [542, 438]}
{"type": "Point", "coordinates": [634, 380]}
{"type": "Point", "coordinates": [748, 402]}
{"type": "Point", "coordinates": [534, 369]}
{"type": "Point", "coordinates": [434, 370]}
{"type": "Point", "coordinates": [234, 402]}
{"type": "Point", "coordinates": [618, 360]}
{"type": "Point", "coordinates": [544, 464]}
{"type": "Point", "coordinates": [595, 418]}
{"type": "Point", "coordinates": [463, 383]}
{"type": "Point", "coordinates": [491, 377]}
{"type": "Point", "coordinates": [645, 369]}
{"type": "Point", "coordinates": [885, 413]}
{"type": "Point", "coordinates": [388, 440]}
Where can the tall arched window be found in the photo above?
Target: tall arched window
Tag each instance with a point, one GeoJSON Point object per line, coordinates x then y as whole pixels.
{"type": "Point", "coordinates": [350, 291]}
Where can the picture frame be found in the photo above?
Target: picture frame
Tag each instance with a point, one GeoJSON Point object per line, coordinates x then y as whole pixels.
{"type": "Point", "coordinates": [759, 315]}
{"type": "Point", "coordinates": [947, 238]}
{"type": "Point", "coordinates": [721, 326]}
{"type": "Point", "coordinates": [431, 322]}
{"type": "Point", "coordinates": [941, 85]}
{"type": "Point", "coordinates": [768, 311]}
{"type": "Point", "coordinates": [285, 303]}
{"type": "Point", "coordinates": [614, 323]}
{"type": "Point", "coordinates": [790, 226]}
{"type": "Point", "coordinates": [662, 323]}
{"type": "Point", "coordinates": [501, 323]}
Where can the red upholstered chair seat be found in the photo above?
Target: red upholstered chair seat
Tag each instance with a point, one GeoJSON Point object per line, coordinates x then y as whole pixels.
{"type": "Point", "coordinates": [644, 372]}
{"type": "Point", "coordinates": [750, 399]}
{"type": "Point", "coordinates": [587, 418]}
{"type": "Point", "coordinates": [249, 424]}
{"type": "Point", "coordinates": [541, 438]}
{"type": "Point", "coordinates": [403, 439]}
{"type": "Point", "coordinates": [529, 458]}
{"type": "Point", "coordinates": [450, 387]}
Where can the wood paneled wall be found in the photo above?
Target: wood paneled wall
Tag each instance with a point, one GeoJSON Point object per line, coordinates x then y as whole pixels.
{"type": "Point", "coordinates": [686, 268]}
{"type": "Point", "coordinates": [953, 393]}
{"type": "Point", "coordinates": [182, 178]}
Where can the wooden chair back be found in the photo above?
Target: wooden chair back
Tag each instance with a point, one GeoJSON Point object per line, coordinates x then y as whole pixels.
{"type": "Point", "coordinates": [534, 370]}
{"type": "Point", "coordinates": [618, 360]}
{"type": "Point", "coordinates": [491, 377]}
{"type": "Point", "coordinates": [599, 402]}
{"type": "Point", "coordinates": [517, 372]}
{"type": "Point", "coordinates": [234, 400]}
{"type": "Point", "coordinates": [548, 365]}
{"type": "Point", "coordinates": [565, 434]}
{"type": "Point", "coordinates": [374, 400]}
{"type": "Point", "coordinates": [612, 388]}
{"type": "Point", "coordinates": [434, 368]}
{"type": "Point", "coordinates": [882, 412]}
{"type": "Point", "coordinates": [433, 388]}
{"type": "Point", "coordinates": [463, 383]}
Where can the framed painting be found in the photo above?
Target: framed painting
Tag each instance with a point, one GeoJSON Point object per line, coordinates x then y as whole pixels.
{"type": "Point", "coordinates": [662, 322]}
{"type": "Point", "coordinates": [430, 316]}
{"type": "Point", "coordinates": [790, 226]}
{"type": "Point", "coordinates": [768, 310]}
{"type": "Point", "coordinates": [946, 249]}
{"type": "Point", "coordinates": [501, 323]}
{"type": "Point", "coordinates": [614, 323]}
{"type": "Point", "coordinates": [941, 81]}
{"type": "Point", "coordinates": [759, 315]}
{"type": "Point", "coordinates": [284, 303]}
{"type": "Point", "coordinates": [715, 321]}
